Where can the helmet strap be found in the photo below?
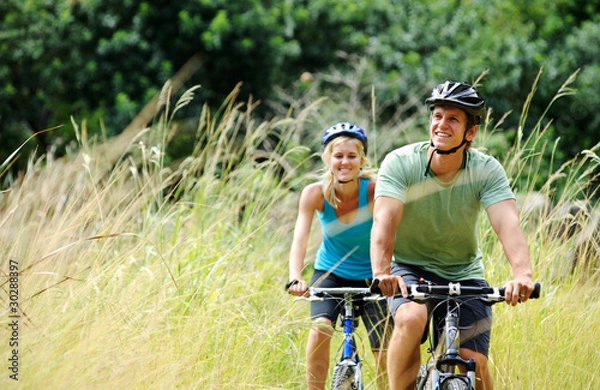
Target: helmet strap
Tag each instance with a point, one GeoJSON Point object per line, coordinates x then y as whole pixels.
{"type": "Point", "coordinates": [444, 152]}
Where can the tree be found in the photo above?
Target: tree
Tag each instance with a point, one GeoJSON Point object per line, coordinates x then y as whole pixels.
{"type": "Point", "coordinates": [102, 60]}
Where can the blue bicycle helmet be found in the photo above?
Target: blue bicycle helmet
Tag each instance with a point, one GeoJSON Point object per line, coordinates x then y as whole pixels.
{"type": "Point", "coordinates": [344, 128]}
{"type": "Point", "coordinates": [460, 95]}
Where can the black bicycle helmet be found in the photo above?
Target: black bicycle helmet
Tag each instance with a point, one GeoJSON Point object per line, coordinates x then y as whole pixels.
{"type": "Point", "coordinates": [344, 128]}
{"type": "Point", "coordinates": [460, 95]}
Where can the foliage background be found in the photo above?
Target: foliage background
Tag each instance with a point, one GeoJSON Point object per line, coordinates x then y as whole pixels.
{"type": "Point", "coordinates": [102, 61]}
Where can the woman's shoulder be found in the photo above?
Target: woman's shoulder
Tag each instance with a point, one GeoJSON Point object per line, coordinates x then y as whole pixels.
{"type": "Point", "coordinates": [313, 194]}
{"type": "Point", "coordinates": [312, 188]}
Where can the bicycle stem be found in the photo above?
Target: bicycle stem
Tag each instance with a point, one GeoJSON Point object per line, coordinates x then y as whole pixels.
{"type": "Point", "coordinates": [451, 333]}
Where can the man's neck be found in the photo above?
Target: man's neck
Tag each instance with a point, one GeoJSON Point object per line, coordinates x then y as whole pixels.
{"type": "Point", "coordinates": [446, 166]}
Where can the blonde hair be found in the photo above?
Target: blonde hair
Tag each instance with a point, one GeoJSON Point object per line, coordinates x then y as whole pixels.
{"type": "Point", "coordinates": [328, 179]}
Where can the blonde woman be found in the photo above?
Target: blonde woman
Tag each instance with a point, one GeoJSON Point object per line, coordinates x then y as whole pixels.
{"type": "Point", "coordinates": [343, 202]}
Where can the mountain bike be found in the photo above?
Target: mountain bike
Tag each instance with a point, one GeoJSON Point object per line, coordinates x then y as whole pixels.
{"type": "Point", "coordinates": [445, 369]}
{"type": "Point", "coordinates": [347, 373]}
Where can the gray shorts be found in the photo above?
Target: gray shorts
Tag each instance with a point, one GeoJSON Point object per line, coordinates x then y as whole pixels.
{"type": "Point", "coordinates": [475, 316]}
{"type": "Point", "coordinates": [374, 314]}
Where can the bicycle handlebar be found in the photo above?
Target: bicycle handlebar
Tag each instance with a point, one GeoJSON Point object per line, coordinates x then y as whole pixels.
{"type": "Point", "coordinates": [321, 293]}
{"type": "Point", "coordinates": [424, 291]}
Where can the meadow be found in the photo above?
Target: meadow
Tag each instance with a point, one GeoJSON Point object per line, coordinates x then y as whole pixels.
{"type": "Point", "coordinates": [139, 273]}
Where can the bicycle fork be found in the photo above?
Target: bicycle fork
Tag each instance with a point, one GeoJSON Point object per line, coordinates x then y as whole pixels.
{"type": "Point", "coordinates": [450, 357]}
{"type": "Point", "coordinates": [349, 353]}
{"type": "Point", "coordinates": [349, 347]}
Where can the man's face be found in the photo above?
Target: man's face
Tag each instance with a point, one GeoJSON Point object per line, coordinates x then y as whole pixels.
{"type": "Point", "coordinates": [447, 127]}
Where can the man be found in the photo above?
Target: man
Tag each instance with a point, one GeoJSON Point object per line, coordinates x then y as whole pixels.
{"type": "Point", "coordinates": [428, 197]}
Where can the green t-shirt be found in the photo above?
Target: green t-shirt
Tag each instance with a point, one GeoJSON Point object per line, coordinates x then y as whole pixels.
{"type": "Point", "coordinates": [438, 231]}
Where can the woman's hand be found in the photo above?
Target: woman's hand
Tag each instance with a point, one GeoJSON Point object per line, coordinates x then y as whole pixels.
{"type": "Point", "coordinates": [297, 287]}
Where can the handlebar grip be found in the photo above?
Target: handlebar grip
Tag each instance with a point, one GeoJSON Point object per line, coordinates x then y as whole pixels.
{"type": "Point", "coordinates": [536, 291]}
{"type": "Point", "coordinates": [375, 287]}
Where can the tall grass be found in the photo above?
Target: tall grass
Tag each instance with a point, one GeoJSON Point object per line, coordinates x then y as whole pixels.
{"type": "Point", "coordinates": [153, 276]}
{"type": "Point", "coordinates": [150, 277]}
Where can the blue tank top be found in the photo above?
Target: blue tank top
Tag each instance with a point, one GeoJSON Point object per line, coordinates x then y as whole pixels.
{"type": "Point", "coordinates": [345, 248]}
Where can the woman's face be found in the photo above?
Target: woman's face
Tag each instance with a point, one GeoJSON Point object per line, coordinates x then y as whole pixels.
{"type": "Point", "coordinates": [345, 160]}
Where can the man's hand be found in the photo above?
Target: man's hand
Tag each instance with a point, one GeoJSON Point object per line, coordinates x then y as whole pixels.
{"type": "Point", "coordinates": [518, 290]}
{"type": "Point", "coordinates": [391, 285]}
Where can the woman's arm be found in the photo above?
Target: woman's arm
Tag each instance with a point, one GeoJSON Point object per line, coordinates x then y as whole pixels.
{"type": "Point", "coordinates": [311, 199]}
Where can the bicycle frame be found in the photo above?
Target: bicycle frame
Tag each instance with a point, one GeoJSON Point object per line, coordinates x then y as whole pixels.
{"type": "Point", "coordinates": [445, 351]}
{"type": "Point", "coordinates": [348, 320]}
{"type": "Point", "coordinates": [349, 352]}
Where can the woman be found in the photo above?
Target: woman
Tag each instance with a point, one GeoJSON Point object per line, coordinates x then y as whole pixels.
{"type": "Point", "coordinates": [343, 201]}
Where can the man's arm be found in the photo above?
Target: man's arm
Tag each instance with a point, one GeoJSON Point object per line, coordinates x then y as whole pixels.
{"type": "Point", "coordinates": [387, 215]}
{"type": "Point", "coordinates": [504, 218]}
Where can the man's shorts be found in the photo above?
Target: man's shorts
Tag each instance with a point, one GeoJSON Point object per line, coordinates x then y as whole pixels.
{"type": "Point", "coordinates": [375, 314]}
{"type": "Point", "coordinates": [475, 316]}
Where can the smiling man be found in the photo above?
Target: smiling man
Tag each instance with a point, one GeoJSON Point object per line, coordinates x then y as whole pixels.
{"type": "Point", "coordinates": [427, 201]}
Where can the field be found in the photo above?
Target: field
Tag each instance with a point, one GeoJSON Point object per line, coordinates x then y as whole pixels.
{"type": "Point", "coordinates": [137, 273]}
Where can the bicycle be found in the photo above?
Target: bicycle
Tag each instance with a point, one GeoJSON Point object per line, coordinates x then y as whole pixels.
{"type": "Point", "coordinates": [442, 370]}
{"type": "Point", "coordinates": [347, 373]}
